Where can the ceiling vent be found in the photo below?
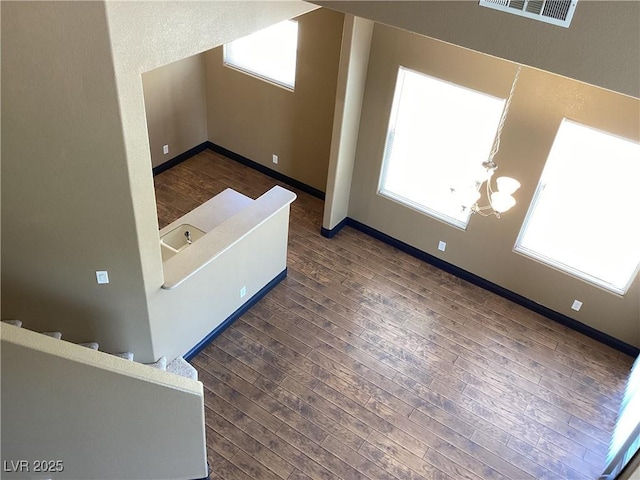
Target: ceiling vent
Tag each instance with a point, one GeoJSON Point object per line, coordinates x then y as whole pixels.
{"type": "Point", "coordinates": [556, 12]}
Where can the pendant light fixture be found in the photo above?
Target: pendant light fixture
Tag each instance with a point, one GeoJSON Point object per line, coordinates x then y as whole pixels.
{"type": "Point", "coordinates": [502, 198]}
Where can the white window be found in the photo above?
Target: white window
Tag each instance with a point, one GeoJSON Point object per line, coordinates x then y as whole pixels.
{"type": "Point", "coordinates": [584, 219]}
{"type": "Point", "coordinates": [439, 134]}
{"type": "Point", "coordinates": [269, 54]}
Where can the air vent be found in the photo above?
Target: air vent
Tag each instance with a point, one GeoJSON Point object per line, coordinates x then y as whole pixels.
{"type": "Point", "coordinates": [556, 12]}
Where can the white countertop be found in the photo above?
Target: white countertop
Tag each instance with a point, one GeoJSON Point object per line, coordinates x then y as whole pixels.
{"type": "Point", "coordinates": [225, 219]}
{"type": "Point", "coordinates": [213, 212]}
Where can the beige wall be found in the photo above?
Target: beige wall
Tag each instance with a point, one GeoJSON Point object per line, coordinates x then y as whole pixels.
{"type": "Point", "coordinates": [485, 248]}
{"type": "Point", "coordinates": [257, 119]}
{"type": "Point", "coordinates": [176, 110]}
{"type": "Point", "coordinates": [601, 47]}
{"type": "Point", "coordinates": [67, 207]}
{"type": "Point", "coordinates": [352, 75]}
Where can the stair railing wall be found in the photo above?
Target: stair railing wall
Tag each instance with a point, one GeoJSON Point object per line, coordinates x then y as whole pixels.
{"type": "Point", "coordinates": [95, 415]}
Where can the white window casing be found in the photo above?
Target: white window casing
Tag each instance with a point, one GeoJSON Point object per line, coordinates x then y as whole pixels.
{"type": "Point", "coordinates": [583, 218]}
{"type": "Point", "coordinates": [269, 54]}
{"type": "Point", "coordinates": [438, 136]}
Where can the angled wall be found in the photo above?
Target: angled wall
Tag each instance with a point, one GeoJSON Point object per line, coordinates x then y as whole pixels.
{"type": "Point", "coordinates": [601, 47]}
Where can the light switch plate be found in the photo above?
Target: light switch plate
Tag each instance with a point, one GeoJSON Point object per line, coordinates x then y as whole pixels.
{"type": "Point", "coordinates": [577, 305]}
{"type": "Point", "coordinates": [442, 246]}
{"type": "Point", "coordinates": [102, 277]}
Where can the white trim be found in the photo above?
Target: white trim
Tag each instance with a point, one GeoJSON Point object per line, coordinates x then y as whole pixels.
{"type": "Point", "coordinates": [382, 188]}
{"type": "Point", "coordinates": [284, 86]}
{"type": "Point", "coordinates": [454, 222]}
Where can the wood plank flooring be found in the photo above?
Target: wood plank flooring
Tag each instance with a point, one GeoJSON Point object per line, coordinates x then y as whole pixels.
{"type": "Point", "coordinates": [366, 363]}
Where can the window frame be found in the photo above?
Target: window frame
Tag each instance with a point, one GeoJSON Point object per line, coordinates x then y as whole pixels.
{"type": "Point", "coordinates": [556, 264]}
{"type": "Point", "coordinates": [393, 115]}
{"type": "Point", "coordinates": [255, 74]}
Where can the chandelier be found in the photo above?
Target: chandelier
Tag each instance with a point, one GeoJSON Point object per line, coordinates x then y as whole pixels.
{"type": "Point", "coordinates": [501, 199]}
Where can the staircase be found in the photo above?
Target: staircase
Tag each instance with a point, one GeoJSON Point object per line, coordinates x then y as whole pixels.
{"type": "Point", "coordinates": [179, 366]}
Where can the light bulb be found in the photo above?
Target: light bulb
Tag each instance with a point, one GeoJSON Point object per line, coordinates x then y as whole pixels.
{"type": "Point", "coordinates": [507, 185]}
{"type": "Point", "coordinates": [501, 202]}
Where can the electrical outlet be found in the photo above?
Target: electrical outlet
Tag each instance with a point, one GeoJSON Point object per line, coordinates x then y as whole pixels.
{"type": "Point", "coordinates": [102, 277]}
{"type": "Point", "coordinates": [275, 158]}
{"type": "Point", "coordinates": [577, 305]}
{"type": "Point", "coordinates": [243, 292]}
{"type": "Point", "coordinates": [165, 149]}
{"type": "Point", "coordinates": [442, 246]}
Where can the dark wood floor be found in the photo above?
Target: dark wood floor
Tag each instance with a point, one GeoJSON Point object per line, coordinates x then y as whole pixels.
{"type": "Point", "coordinates": [366, 363]}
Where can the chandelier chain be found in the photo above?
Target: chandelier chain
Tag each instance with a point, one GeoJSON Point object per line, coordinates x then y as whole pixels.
{"type": "Point", "coordinates": [496, 145]}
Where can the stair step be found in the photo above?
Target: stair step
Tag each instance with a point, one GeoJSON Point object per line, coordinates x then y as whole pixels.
{"type": "Point", "coordinates": [178, 366]}
{"type": "Point", "coordinates": [56, 335]}
{"type": "Point", "coordinates": [181, 367]}
{"type": "Point", "coordinates": [15, 323]}
{"type": "Point", "coordinates": [125, 355]}
{"type": "Point", "coordinates": [161, 364]}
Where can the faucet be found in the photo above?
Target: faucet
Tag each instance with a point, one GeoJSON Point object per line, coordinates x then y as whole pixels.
{"type": "Point", "coordinates": [188, 235]}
